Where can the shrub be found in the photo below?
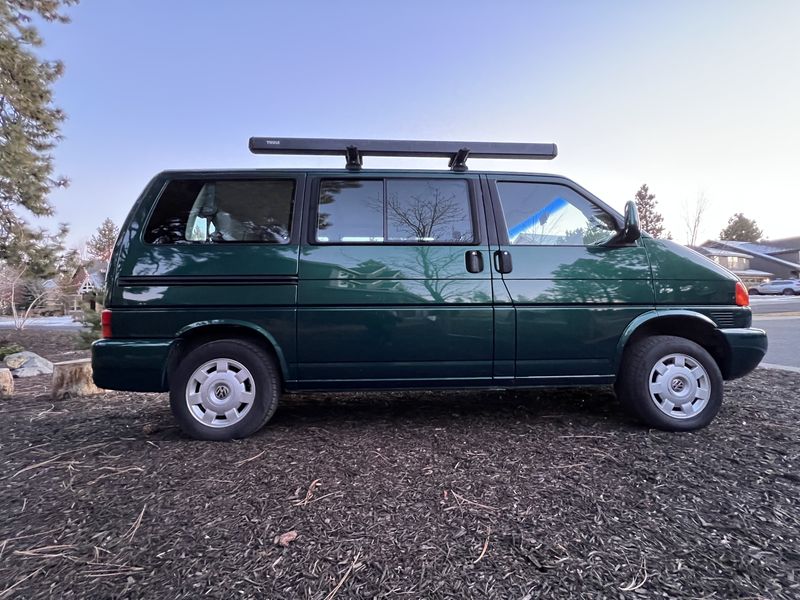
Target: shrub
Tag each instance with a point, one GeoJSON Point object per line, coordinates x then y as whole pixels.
{"type": "Point", "coordinates": [91, 330]}
{"type": "Point", "coordinates": [7, 348]}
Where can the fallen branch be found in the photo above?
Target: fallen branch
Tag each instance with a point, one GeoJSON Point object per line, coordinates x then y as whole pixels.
{"type": "Point", "coordinates": [116, 472]}
{"type": "Point", "coordinates": [247, 460]}
{"type": "Point", "coordinates": [334, 591]}
{"type": "Point", "coordinates": [461, 498]}
{"type": "Point", "coordinates": [485, 547]}
{"type": "Point", "coordinates": [309, 493]}
{"type": "Point", "coordinates": [7, 592]}
{"type": "Point", "coordinates": [57, 456]}
{"type": "Point", "coordinates": [135, 527]}
{"type": "Point", "coordinates": [633, 585]}
{"type": "Point", "coordinates": [22, 537]}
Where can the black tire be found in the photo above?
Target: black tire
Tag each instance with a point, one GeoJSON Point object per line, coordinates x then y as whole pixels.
{"type": "Point", "coordinates": [753, 292]}
{"type": "Point", "coordinates": [788, 292]}
{"type": "Point", "coordinates": [634, 379]}
{"type": "Point", "coordinates": [264, 377]}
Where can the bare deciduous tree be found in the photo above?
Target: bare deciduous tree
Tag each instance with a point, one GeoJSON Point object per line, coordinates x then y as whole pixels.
{"type": "Point", "coordinates": [692, 214]}
{"type": "Point", "coordinates": [11, 280]}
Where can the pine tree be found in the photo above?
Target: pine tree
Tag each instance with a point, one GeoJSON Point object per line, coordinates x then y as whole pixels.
{"type": "Point", "coordinates": [29, 122]}
{"type": "Point", "coordinates": [741, 229]}
{"type": "Point", "coordinates": [650, 219]}
{"type": "Point", "coordinates": [101, 244]}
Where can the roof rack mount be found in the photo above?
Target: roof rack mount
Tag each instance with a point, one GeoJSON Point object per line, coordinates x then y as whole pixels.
{"type": "Point", "coordinates": [355, 150]}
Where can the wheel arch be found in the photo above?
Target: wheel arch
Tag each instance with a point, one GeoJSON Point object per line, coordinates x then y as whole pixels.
{"type": "Point", "coordinates": [683, 323]}
{"type": "Point", "coordinates": [198, 333]}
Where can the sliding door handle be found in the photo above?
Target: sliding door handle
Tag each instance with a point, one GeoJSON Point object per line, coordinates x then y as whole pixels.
{"type": "Point", "coordinates": [474, 260]}
{"type": "Point", "coordinates": [502, 261]}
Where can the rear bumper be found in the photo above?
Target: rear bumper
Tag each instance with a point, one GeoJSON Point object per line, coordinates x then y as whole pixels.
{"type": "Point", "coordinates": [131, 365]}
{"type": "Point", "coordinates": [744, 349]}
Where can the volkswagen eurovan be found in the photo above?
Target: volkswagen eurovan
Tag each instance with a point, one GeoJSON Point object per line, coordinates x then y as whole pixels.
{"type": "Point", "coordinates": [229, 288]}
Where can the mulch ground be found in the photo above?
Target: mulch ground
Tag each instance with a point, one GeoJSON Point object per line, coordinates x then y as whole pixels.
{"type": "Point", "coordinates": [552, 493]}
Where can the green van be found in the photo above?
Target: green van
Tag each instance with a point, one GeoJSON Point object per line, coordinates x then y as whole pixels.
{"type": "Point", "coordinates": [229, 288]}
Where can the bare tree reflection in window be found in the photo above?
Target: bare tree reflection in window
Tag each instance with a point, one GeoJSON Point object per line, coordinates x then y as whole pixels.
{"type": "Point", "coordinates": [426, 211]}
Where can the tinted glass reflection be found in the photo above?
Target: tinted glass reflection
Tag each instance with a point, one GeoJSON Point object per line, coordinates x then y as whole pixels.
{"type": "Point", "coordinates": [539, 214]}
{"type": "Point", "coordinates": [428, 210]}
{"type": "Point", "coordinates": [203, 211]}
{"type": "Point", "coordinates": [350, 210]}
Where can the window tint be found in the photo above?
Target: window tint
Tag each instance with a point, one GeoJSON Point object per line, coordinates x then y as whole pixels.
{"type": "Point", "coordinates": [541, 214]}
{"type": "Point", "coordinates": [394, 211]}
{"type": "Point", "coordinates": [350, 210]}
{"type": "Point", "coordinates": [428, 210]}
{"type": "Point", "coordinates": [201, 211]}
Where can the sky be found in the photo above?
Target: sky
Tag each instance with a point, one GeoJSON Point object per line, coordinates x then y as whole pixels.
{"type": "Point", "coordinates": [690, 97]}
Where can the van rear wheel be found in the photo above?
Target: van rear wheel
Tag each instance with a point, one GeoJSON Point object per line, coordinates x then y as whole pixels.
{"type": "Point", "coordinates": [224, 389]}
{"type": "Point", "coordinates": [670, 383]}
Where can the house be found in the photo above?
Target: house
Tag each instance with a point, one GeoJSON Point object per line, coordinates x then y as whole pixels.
{"type": "Point", "coordinates": [86, 285]}
{"type": "Point", "coordinates": [779, 259]}
{"type": "Point", "coordinates": [736, 262]}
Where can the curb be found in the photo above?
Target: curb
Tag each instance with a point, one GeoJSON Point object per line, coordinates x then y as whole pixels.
{"type": "Point", "coordinates": [779, 367]}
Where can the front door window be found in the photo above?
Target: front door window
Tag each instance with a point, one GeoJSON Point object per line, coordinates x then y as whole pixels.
{"type": "Point", "coordinates": [543, 214]}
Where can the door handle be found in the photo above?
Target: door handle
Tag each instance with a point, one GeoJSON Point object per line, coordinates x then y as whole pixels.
{"type": "Point", "coordinates": [502, 261]}
{"type": "Point", "coordinates": [474, 260]}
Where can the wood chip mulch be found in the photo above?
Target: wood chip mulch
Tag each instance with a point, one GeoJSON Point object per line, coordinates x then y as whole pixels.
{"type": "Point", "coordinates": [549, 493]}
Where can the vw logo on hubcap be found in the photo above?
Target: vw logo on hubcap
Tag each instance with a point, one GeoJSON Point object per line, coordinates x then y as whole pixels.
{"type": "Point", "coordinates": [678, 385]}
{"type": "Point", "coordinates": [221, 392]}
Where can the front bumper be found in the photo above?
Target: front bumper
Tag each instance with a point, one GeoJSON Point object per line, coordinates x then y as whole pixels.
{"type": "Point", "coordinates": [131, 365]}
{"type": "Point", "coordinates": [744, 349]}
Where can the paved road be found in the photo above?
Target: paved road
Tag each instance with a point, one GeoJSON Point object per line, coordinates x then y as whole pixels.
{"type": "Point", "coordinates": [784, 339]}
{"type": "Point", "coordinates": [774, 304]}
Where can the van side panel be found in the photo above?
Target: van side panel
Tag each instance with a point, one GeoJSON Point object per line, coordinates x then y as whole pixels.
{"type": "Point", "coordinates": [684, 277]}
{"type": "Point", "coordinates": [573, 303]}
{"type": "Point", "coordinates": [370, 313]}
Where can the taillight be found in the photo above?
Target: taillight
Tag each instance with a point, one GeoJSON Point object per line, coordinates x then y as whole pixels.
{"type": "Point", "coordinates": [105, 322]}
{"type": "Point", "coordinates": [742, 297]}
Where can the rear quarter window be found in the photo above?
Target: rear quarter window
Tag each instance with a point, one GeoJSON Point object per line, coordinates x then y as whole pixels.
{"type": "Point", "coordinates": [201, 211]}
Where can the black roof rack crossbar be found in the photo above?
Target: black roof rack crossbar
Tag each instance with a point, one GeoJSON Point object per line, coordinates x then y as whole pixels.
{"type": "Point", "coordinates": [354, 150]}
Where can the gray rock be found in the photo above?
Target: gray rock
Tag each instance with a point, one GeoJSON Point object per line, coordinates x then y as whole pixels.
{"type": "Point", "coordinates": [16, 360]}
{"type": "Point", "coordinates": [28, 364]}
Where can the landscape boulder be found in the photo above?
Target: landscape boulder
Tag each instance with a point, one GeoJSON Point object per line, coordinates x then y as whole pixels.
{"type": "Point", "coordinates": [28, 364]}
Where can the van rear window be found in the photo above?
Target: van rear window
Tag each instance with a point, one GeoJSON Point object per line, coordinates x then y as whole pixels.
{"type": "Point", "coordinates": [230, 210]}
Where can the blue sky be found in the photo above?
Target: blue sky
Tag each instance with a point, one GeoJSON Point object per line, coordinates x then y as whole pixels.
{"type": "Point", "coordinates": [688, 97]}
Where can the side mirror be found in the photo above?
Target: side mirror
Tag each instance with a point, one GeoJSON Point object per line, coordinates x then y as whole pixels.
{"type": "Point", "coordinates": [630, 231]}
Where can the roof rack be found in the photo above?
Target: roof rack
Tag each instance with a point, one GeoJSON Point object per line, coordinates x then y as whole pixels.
{"type": "Point", "coordinates": [355, 150]}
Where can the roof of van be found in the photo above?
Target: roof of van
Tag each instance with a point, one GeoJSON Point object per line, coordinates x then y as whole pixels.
{"type": "Point", "coordinates": [363, 172]}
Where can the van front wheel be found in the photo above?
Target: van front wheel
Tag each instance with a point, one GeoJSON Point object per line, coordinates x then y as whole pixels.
{"type": "Point", "coordinates": [670, 383]}
{"type": "Point", "coordinates": [224, 389]}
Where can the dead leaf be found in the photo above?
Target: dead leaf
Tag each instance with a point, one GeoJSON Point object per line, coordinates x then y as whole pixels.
{"type": "Point", "coordinates": [285, 539]}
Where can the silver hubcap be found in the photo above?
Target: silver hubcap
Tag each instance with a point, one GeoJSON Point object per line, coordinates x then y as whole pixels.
{"type": "Point", "coordinates": [220, 392]}
{"type": "Point", "coordinates": [679, 386]}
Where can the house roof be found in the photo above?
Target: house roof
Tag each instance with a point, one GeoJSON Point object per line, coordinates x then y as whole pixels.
{"type": "Point", "coordinates": [94, 274]}
{"type": "Point", "coordinates": [718, 252]}
{"type": "Point", "coordinates": [752, 249]}
{"type": "Point", "coordinates": [785, 244]}
{"type": "Point", "coordinates": [753, 273]}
